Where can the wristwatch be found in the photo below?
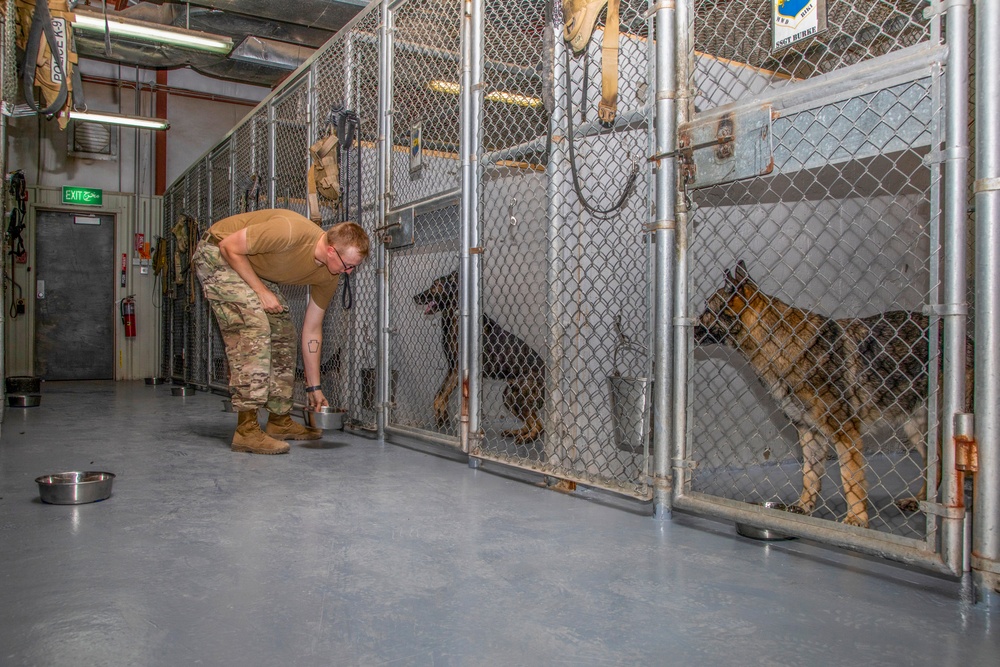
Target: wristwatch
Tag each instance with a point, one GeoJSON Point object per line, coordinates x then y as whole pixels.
{"type": "Point", "coordinates": [309, 390]}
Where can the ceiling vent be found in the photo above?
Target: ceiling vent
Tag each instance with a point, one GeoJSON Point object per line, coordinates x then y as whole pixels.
{"type": "Point", "coordinates": [92, 141]}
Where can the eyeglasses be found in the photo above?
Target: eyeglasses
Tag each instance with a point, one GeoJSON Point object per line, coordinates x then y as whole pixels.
{"type": "Point", "coordinates": [347, 267]}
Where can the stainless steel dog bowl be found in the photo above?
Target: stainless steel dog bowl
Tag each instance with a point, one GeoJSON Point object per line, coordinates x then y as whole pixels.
{"type": "Point", "coordinates": [324, 417]}
{"type": "Point", "coordinates": [155, 380]}
{"type": "Point", "coordinates": [186, 390]}
{"type": "Point", "coordinates": [23, 384]}
{"type": "Point", "coordinates": [24, 400]}
{"type": "Point", "coordinates": [756, 533]}
{"type": "Point", "coordinates": [227, 405]}
{"type": "Point", "coordinates": [75, 488]}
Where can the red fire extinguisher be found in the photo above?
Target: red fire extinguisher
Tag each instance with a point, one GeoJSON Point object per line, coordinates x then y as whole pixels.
{"type": "Point", "coordinates": [128, 315]}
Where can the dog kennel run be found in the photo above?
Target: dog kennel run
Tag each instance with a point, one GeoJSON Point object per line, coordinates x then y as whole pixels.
{"type": "Point", "coordinates": [538, 273]}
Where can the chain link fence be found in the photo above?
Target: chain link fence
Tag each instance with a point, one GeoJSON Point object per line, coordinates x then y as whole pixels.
{"type": "Point", "coordinates": [811, 263]}
{"type": "Point", "coordinates": [263, 163]}
{"type": "Point", "coordinates": [811, 176]}
{"type": "Point", "coordinates": [425, 175]}
{"type": "Point", "coordinates": [346, 79]}
{"type": "Point", "coordinates": [564, 204]}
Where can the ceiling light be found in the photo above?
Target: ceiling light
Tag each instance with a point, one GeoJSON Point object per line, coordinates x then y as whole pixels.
{"type": "Point", "coordinates": [153, 32]}
{"type": "Point", "coordinates": [142, 122]}
{"type": "Point", "coordinates": [518, 99]}
{"type": "Point", "coordinates": [445, 87]}
{"type": "Point", "coordinates": [514, 98]}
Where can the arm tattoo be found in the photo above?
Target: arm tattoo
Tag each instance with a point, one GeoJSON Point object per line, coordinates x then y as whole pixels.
{"type": "Point", "coordinates": [313, 346]}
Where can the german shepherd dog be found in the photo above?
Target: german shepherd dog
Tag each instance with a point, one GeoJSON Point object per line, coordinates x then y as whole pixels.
{"type": "Point", "coordinates": [504, 357]}
{"type": "Point", "coordinates": [834, 379]}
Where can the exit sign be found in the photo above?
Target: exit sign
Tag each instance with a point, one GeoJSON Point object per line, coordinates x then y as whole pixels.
{"type": "Point", "coordinates": [82, 196]}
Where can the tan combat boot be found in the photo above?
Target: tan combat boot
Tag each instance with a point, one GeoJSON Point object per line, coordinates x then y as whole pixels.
{"type": "Point", "coordinates": [249, 437]}
{"type": "Point", "coordinates": [281, 427]}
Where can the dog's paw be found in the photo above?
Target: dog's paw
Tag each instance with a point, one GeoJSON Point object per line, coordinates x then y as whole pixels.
{"type": "Point", "coordinates": [856, 520]}
{"type": "Point", "coordinates": [908, 505]}
{"type": "Point", "coordinates": [801, 508]}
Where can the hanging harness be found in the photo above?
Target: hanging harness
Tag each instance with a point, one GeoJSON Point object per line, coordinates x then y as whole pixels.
{"type": "Point", "coordinates": [579, 18]}
{"type": "Point", "coordinates": [328, 180]}
{"type": "Point", "coordinates": [48, 64]}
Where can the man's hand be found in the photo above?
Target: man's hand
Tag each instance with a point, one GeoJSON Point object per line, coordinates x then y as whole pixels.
{"type": "Point", "coordinates": [317, 399]}
{"type": "Point", "coordinates": [269, 301]}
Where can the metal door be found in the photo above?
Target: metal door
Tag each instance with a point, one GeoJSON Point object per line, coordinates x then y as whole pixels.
{"type": "Point", "coordinates": [75, 311]}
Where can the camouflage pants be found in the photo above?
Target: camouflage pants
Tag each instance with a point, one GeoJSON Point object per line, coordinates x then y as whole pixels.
{"type": "Point", "coordinates": [260, 346]}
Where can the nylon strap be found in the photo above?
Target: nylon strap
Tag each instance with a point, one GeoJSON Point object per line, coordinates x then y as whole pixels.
{"type": "Point", "coordinates": [608, 106]}
{"type": "Point", "coordinates": [41, 21]}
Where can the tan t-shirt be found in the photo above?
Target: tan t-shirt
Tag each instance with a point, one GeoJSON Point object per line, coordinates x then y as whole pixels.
{"type": "Point", "coordinates": [280, 245]}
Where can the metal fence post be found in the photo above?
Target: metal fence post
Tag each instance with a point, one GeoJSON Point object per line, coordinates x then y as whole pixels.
{"type": "Point", "coordinates": [682, 110]}
{"type": "Point", "coordinates": [556, 189]}
{"type": "Point", "coordinates": [664, 232]}
{"type": "Point", "coordinates": [953, 296]}
{"type": "Point", "coordinates": [986, 501]}
{"type": "Point", "coordinates": [470, 338]}
{"type": "Point", "coordinates": [382, 195]}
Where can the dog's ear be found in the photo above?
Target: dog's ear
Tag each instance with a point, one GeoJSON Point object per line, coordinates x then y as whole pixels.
{"type": "Point", "coordinates": [741, 280]}
{"type": "Point", "coordinates": [735, 278]}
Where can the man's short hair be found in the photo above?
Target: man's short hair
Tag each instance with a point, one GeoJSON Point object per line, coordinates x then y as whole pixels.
{"type": "Point", "coordinates": [349, 235]}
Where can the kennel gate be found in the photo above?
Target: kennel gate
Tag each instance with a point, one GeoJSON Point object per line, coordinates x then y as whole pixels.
{"type": "Point", "coordinates": [493, 198]}
{"type": "Point", "coordinates": [825, 166]}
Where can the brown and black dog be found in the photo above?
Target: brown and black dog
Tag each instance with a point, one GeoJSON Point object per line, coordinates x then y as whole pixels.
{"type": "Point", "coordinates": [834, 379]}
{"type": "Point", "coordinates": [504, 357]}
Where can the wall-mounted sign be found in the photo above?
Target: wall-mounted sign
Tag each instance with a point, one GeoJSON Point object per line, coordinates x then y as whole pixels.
{"type": "Point", "coordinates": [82, 196]}
{"type": "Point", "coordinates": [795, 20]}
{"type": "Point", "coordinates": [56, 73]}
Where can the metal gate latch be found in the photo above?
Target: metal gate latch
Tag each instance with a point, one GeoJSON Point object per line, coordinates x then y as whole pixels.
{"type": "Point", "coordinates": [741, 143]}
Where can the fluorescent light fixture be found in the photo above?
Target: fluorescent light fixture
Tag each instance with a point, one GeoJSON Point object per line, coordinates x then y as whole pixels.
{"type": "Point", "coordinates": [514, 98]}
{"type": "Point", "coordinates": [153, 32]}
{"type": "Point", "coordinates": [141, 122]}
{"type": "Point", "coordinates": [452, 88]}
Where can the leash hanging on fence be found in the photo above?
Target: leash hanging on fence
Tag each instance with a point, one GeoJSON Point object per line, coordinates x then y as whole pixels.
{"type": "Point", "coordinates": [615, 209]}
{"type": "Point", "coordinates": [15, 226]}
{"type": "Point", "coordinates": [579, 20]}
{"type": "Point", "coordinates": [347, 125]}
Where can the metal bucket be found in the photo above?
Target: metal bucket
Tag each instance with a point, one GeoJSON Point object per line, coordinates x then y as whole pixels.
{"type": "Point", "coordinates": [630, 413]}
{"type": "Point", "coordinates": [630, 396]}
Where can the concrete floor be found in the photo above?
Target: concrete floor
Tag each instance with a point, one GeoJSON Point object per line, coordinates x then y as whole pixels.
{"type": "Point", "coordinates": [350, 551]}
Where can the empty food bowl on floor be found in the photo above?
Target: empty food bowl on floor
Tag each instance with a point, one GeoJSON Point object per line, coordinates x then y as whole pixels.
{"type": "Point", "coordinates": [24, 400]}
{"type": "Point", "coordinates": [75, 488]}
{"type": "Point", "coordinates": [155, 380]}
{"type": "Point", "coordinates": [185, 390]}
